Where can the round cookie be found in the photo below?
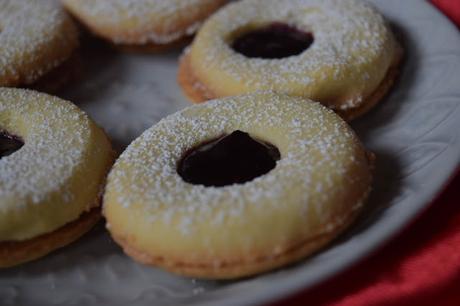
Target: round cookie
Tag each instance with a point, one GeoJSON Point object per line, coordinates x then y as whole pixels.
{"type": "Point", "coordinates": [53, 165]}
{"type": "Point", "coordinates": [37, 39]}
{"type": "Point", "coordinates": [340, 53]}
{"type": "Point", "coordinates": [164, 211]}
{"type": "Point", "coordinates": [143, 24]}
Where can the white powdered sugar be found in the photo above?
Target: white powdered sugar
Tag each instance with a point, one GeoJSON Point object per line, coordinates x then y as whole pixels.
{"type": "Point", "coordinates": [35, 37]}
{"type": "Point", "coordinates": [310, 139]}
{"type": "Point", "coordinates": [55, 135]}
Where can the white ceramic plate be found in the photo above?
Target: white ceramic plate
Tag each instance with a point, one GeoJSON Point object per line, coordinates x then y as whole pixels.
{"type": "Point", "coordinates": [414, 134]}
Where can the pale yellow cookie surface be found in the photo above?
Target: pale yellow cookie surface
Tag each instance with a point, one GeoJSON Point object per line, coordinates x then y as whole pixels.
{"type": "Point", "coordinates": [139, 22]}
{"type": "Point", "coordinates": [60, 170]}
{"type": "Point", "coordinates": [35, 38]}
{"type": "Point", "coordinates": [313, 193]}
{"type": "Point", "coordinates": [352, 52]}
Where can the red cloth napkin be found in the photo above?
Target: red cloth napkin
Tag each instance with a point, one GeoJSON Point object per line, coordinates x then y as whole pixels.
{"type": "Point", "coordinates": [421, 267]}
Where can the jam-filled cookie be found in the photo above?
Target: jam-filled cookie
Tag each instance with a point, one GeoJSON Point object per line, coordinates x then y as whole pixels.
{"type": "Point", "coordinates": [53, 165]}
{"type": "Point", "coordinates": [37, 44]}
{"type": "Point", "coordinates": [340, 53]}
{"type": "Point", "coordinates": [143, 24]}
{"type": "Point", "coordinates": [237, 186]}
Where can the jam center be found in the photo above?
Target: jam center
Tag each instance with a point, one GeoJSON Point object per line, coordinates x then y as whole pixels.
{"type": "Point", "coordinates": [277, 40]}
{"type": "Point", "coordinates": [9, 144]}
{"type": "Point", "coordinates": [233, 159]}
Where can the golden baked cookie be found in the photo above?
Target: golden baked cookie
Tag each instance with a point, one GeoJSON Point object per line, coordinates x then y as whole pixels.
{"type": "Point", "coordinates": [237, 186]}
{"type": "Point", "coordinates": [150, 24]}
{"type": "Point", "coordinates": [340, 53]}
{"type": "Point", "coordinates": [36, 38]}
{"type": "Point", "coordinates": [53, 165]}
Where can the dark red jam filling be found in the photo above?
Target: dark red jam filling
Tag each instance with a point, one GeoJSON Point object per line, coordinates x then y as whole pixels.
{"type": "Point", "coordinates": [232, 159]}
{"type": "Point", "coordinates": [9, 144]}
{"type": "Point", "coordinates": [277, 40]}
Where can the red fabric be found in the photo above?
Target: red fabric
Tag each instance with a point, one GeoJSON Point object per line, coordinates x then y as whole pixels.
{"type": "Point", "coordinates": [421, 267]}
{"type": "Point", "coordinates": [450, 7]}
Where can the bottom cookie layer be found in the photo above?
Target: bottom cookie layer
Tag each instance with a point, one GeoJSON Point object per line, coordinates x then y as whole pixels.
{"type": "Point", "coordinates": [13, 253]}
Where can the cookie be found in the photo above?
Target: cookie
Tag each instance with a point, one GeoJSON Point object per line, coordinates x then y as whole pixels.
{"type": "Point", "coordinates": [37, 39]}
{"type": "Point", "coordinates": [340, 53]}
{"type": "Point", "coordinates": [53, 164]}
{"type": "Point", "coordinates": [237, 186]}
{"type": "Point", "coordinates": [143, 24]}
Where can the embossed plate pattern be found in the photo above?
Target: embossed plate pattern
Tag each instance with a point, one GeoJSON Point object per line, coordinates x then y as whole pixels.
{"type": "Point", "coordinates": [414, 134]}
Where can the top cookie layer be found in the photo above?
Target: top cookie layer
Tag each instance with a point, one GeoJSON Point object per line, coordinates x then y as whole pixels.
{"type": "Point", "coordinates": [322, 178]}
{"type": "Point", "coordinates": [57, 174]}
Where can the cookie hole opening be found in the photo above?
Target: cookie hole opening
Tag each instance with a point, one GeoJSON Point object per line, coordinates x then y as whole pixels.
{"type": "Point", "coordinates": [236, 158]}
{"type": "Point", "coordinates": [273, 41]}
{"type": "Point", "coordinates": [9, 143]}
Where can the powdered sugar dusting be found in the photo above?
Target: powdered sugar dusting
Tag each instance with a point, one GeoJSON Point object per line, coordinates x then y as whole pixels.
{"type": "Point", "coordinates": [50, 153]}
{"type": "Point", "coordinates": [309, 137]}
{"type": "Point", "coordinates": [351, 53]}
{"type": "Point", "coordinates": [35, 37]}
